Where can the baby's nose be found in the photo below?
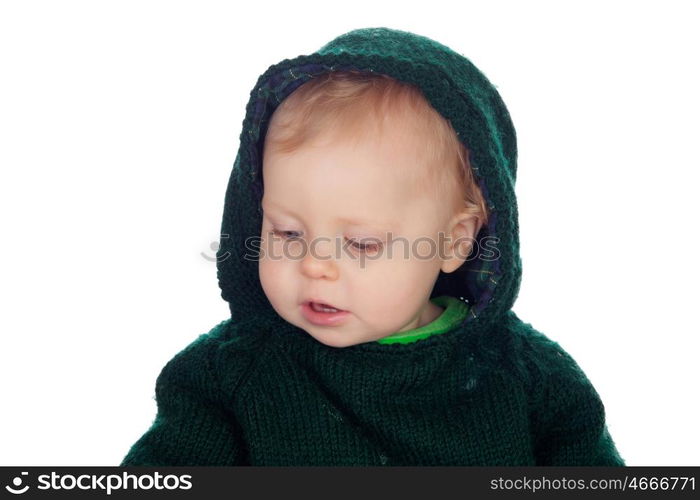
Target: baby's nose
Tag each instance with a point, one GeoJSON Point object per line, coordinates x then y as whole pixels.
{"type": "Point", "coordinates": [319, 260]}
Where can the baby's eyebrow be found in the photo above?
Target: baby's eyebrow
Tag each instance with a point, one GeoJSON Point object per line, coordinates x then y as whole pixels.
{"type": "Point", "coordinates": [351, 221]}
{"type": "Point", "coordinates": [369, 223]}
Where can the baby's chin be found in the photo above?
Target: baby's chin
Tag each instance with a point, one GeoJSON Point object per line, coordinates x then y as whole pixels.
{"type": "Point", "coordinates": [335, 337]}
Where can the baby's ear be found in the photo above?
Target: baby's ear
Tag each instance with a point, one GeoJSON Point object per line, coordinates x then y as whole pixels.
{"type": "Point", "coordinates": [459, 239]}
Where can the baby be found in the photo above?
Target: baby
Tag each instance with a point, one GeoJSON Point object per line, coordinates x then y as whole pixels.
{"type": "Point", "coordinates": [372, 178]}
{"type": "Point", "coordinates": [369, 256]}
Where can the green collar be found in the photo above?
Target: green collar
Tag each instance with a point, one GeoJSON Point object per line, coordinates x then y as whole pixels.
{"type": "Point", "coordinates": [455, 311]}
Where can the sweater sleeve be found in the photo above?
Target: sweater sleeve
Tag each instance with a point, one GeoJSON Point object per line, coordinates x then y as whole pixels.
{"type": "Point", "coordinates": [191, 426]}
{"type": "Point", "coordinates": [568, 415]}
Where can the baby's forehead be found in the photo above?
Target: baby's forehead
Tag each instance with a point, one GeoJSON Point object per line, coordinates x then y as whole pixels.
{"type": "Point", "coordinates": [399, 141]}
{"type": "Point", "coordinates": [385, 161]}
{"type": "Point", "coordinates": [395, 206]}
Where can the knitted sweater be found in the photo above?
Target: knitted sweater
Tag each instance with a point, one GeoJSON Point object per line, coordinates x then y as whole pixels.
{"type": "Point", "coordinates": [489, 389]}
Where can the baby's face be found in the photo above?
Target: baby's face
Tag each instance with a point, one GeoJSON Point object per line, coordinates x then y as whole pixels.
{"type": "Point", "coordinates": [321, 204]}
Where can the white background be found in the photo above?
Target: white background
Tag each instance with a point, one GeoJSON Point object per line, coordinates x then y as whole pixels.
{"type": "Point", "coordinates": [119, 125]}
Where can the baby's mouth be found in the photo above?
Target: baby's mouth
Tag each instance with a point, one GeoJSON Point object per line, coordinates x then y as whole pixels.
{"type": "Point", "coordinates": [321, 307]}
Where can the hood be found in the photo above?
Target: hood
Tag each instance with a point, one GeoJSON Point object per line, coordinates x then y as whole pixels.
{"type": "Point", "coordinates": [490, 278]}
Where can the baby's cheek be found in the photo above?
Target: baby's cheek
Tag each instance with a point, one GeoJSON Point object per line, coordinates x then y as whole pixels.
{"type": "Point", "coordinates": [390, 286]}
{"type": "Point", "coordinates": [415, 280]}
{"type": "Point", "coordinates": [272, 278]}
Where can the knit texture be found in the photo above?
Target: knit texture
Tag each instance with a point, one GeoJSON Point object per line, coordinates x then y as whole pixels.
{"type": "Point", "coordinates": [492, 390]}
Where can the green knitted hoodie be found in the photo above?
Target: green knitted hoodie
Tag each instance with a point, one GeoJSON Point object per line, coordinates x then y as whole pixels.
{"type": "Point", "coordinates": [492, 390]}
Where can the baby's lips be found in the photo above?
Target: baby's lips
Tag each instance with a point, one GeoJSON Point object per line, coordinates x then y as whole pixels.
{"type": "Point", "coordinates": [322, 303]}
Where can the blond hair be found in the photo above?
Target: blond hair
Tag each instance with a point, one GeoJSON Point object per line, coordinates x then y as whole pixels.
{"type": "Point", "coordinates": [344, 100]}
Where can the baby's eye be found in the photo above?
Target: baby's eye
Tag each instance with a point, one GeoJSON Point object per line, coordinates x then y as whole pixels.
{"type": "Point", "coordinates": [364, 247]}
{"type": "Point", "coordinates": [285, 234]}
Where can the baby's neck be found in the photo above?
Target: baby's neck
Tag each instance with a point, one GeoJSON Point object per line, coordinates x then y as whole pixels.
{"type": "Point", "coordinates": [430, 314]}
